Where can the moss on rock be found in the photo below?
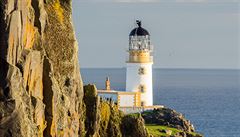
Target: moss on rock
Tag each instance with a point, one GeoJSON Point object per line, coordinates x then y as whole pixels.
{"type": "Point", "coordinates": [105, 120]}
{"type": "Point", "coordinates": [165, 122]}
{"type": "Point", "coordinates": [133, 126]}
{"type": "Point", "coordinates": [42, 82]}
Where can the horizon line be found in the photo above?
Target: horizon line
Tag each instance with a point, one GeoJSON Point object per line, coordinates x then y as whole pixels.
{"type": "Point", "coordinates": [163, 68]}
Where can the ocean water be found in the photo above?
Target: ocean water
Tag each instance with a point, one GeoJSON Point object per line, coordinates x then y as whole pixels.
{"type": "Point", "coordinates": [210, 99]}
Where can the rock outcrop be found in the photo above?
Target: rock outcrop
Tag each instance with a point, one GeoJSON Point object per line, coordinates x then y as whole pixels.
{"type": "Point", "coordinates": [134, 126]}
{"type": "Point", "coordinates": [168, 122]}
{"type": "Point", "coordinates": [168, 117]}
{"type": "Point", "coordinates": [103, 119]}
{"type": "Point", "coordinates": [40, 83]}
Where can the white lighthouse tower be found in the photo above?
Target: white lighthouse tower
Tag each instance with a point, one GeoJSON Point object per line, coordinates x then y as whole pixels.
{"type": "Point", "coordinates": [139, 65]}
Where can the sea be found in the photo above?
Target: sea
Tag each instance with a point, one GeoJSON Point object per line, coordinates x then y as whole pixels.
{"type": "Point", "coordinates": [209, 98]}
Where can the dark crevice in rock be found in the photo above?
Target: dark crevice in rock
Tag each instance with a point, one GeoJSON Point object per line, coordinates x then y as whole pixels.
{"type": "Point", "coordinates": [3, 69]}
{"type": "Point", "coordinates": [69, 114]}
{"type": "Point", "coordinates": [67, 82]}
{"type": "Point", "coordinates": [6, 92]}
{"type": "Point", "coordinates": [9, 133]}
{"type": "Point", "coordinates": [27, 87]}
{"type": "Point", "coordinates": [7, 103]}
{"type": "Point", "coordinates": [47, 96]}
{"type": "Point", "coordinates": [62, 98]}
{"type": "Point", "coordinates": [34, 101]}
{"type": "Point", "coordinates": [37, 22]}
{"type": "Point", "coordinates": [15, 4]}
{"type": "Point", "coordinates": [3, 35]}
{"type": "Point", "coordinates": [19, 65]}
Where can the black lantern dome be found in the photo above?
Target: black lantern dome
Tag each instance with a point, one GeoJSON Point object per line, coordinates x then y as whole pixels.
{"type": "Point", "coordinates": [139, 31]}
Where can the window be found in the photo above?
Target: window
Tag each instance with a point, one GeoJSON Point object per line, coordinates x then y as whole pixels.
{"type": "Point", "coordinates": [142, 88]}
{"type": "Point", "coordinates": [143, 103]}
{"type": "Point", "coordinates": [141, 71]}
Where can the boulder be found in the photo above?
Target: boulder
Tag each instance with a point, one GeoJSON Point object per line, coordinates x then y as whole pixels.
{"type": "Point", "coordinates": [168, 132]}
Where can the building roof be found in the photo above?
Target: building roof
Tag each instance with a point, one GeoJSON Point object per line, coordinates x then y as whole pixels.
{"type": "Point", "coordinates": [115, 92]}
{"type": "Point", "coordinates": [139, 31]}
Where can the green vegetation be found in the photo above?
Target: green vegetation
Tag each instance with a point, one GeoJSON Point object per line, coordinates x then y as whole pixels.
{"type": "Point", "coordinates": [103, 119]}
{"type": "Point", "coordinates": [157, 130]}
{"type": "Point", "coordinates": [134, 115]}
{"type": "Point", "coordinates": [161, 131]}
{"type": "Point", "coordinates": [105, 112]}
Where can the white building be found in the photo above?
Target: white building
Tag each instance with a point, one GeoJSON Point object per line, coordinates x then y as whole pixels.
{"type": "Point", "coordinates": [139, 65]}
{"type": "Point", "coordinates": [139, 90]}
{"type": "Point", "coordinates": [122, 98]}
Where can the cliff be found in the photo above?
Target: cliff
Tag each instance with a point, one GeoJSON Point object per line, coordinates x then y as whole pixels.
{"type": "Point", "coordinates": [40, 84]}
{"type": "Point", "coordinates": [41, 91]}
{"type": "Point", "coordinates": [103, 119]}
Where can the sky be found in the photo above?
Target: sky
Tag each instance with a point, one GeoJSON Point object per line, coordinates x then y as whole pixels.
{"type": "Point", "coordinates": [201, 34]}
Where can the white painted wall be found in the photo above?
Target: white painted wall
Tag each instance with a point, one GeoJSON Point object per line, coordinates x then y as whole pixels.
{"type": "Point", "coordinates": [126, 100]}
{"type": "Point", "coordinates": [133, 80]}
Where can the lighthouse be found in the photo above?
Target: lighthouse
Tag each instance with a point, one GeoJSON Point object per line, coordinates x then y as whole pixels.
{"type": "Point", "coordinates": [139, 65]}
{"type": "Point", "coordinates": [138, 96]}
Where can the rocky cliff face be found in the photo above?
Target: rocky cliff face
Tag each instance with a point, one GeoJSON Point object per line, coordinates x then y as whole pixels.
{"type": "Point", "coordinates": [40, 83]}
{"type": "Point", "coordinates": [41, 92]}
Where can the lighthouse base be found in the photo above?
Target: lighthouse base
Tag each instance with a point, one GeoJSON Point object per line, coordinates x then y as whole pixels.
{"type": "Point", "coordinates": [139, 79]}
{"type": "Point", "coordinates": [129, 110]}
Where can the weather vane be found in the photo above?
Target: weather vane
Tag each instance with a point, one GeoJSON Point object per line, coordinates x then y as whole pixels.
{"type": "Point", "coordinates": [139, 23]}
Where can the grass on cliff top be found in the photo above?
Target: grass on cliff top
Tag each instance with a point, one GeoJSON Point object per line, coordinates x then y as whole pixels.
{"type": "Point", "coordinates": [155, 130]}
